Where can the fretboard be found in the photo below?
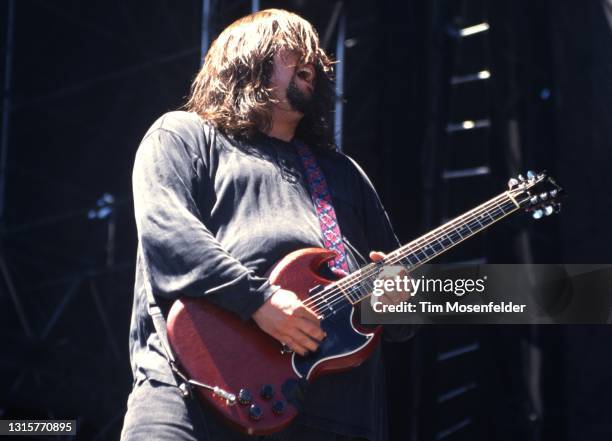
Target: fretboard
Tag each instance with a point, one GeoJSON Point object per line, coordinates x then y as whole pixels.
{"type": "Point", "coordinates": [360, 284]}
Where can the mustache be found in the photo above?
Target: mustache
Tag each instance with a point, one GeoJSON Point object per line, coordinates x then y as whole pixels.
{"type": "Point", "coordinates": [299, 100]}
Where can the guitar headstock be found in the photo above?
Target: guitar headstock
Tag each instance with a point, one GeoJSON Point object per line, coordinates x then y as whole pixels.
{"type": "Point", "coordinates": [537, 194]}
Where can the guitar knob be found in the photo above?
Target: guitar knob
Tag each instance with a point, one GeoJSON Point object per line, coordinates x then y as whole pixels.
{"type": "Point", "coordinates": [255, 412]}
{"type": "Point", "coordinates": [244, 397]}
{"type": "Point", "coordinates": [267, 391]}
{"type": "Point", "coordinates": [278, 407]}
{"type": "Point", "coordinates": [538, 214]}
{"type": "Point", "coordinates": [548, 210]}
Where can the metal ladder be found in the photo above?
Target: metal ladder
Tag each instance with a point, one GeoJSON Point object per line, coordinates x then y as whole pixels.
{"type": "Point", "coordinates": [462, 180]}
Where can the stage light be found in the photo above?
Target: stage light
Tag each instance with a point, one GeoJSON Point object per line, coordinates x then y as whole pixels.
{"type": "Point", "coordinates": [474, 29]}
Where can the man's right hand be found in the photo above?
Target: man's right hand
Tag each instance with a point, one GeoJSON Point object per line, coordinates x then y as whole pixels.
{"type": "Point", "coordinates": [288, 320]}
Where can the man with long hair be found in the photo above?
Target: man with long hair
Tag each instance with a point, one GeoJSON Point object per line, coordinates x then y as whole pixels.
{"type": "Point", "coordinates": [220, 195]}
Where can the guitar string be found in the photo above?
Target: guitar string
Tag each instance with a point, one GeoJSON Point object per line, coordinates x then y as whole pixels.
{"type": "Point", "coordinates": [337, 302]}
{"type": "Point", "coordinates": [462, 221]}
{"type": "Point", "coordinates": [342, 300]}
{"type": "Point", "coordinates": [455, 224]}
{"type": "Point", "coordinates": [336, 295]}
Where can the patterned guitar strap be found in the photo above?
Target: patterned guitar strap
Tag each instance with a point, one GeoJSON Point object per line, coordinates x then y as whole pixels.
{"type": "Point", "coordinates": [321, 198]}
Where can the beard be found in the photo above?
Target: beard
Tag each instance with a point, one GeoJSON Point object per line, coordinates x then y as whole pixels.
{"type": "Point", "coordinates": [298, 100]}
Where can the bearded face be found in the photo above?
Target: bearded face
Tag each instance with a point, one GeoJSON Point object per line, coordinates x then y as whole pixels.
{"type": "Point", "coordinates": [292, 82]}
{"type": "Point", "coordinates": [298, 100]}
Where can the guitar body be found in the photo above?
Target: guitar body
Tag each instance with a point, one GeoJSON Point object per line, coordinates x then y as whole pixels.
{"type": "Point", "coordinates": [216, 347]}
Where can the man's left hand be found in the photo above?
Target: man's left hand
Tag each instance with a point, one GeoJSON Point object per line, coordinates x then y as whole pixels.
{"type": "Point", "coordinates": [391, 272]}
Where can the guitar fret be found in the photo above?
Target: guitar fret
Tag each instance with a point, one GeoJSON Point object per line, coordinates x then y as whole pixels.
{"type": "Point", "coordinates": [410, 262]}
{"type": "Point", "coordinates": [356, 290]}
{"type": "Point", "coordinates": [361, 285]}
{"type": "Point", "coordinates": [344, 291]}
{"type": "Point", "coordinates": [441, 246]}
{"type": "Point", "coordinates": [354, 296]}
{"type": "Point", "coordinates": [368, 284]}
{"type": "Point", "coordinates": [366, 288]}
{"type": "Point", "coordinates": [450, 240]}
{"type": "Point", "coordinates": [501, 208]}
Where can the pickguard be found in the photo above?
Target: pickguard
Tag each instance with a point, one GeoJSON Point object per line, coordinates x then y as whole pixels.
{"type": "Point", "coordinates": [342, 339]}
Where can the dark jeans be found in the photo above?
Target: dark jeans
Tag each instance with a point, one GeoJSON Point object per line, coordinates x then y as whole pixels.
{"type": "Point", "coordinates": [157, 411]}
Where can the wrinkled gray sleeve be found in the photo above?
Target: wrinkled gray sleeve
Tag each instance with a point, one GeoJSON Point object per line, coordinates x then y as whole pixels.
{"type": "Point", "coordinates": [181, 255]}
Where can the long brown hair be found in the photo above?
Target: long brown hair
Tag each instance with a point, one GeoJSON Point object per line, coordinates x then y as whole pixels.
{"type": "Point", "coordinates": [232, 90]}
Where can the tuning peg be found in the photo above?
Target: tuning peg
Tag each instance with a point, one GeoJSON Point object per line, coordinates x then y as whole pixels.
{"type": "Point", "coordinates": [548, 210]}
{"type": "Point", "coordinates": [533, 200]}
{"type": "Point", "coordinates": [512, 183]}
{"type": "Point", "coordinates": [521, 178]}
{"type": "Point", "coordinates": [553, 193]}
{"type": "Point", "coordinates": [543, 196]}
{"type": "Point", "coordinates": [538, 214]}
{"type": "Point", "coordinates": [530, 175]}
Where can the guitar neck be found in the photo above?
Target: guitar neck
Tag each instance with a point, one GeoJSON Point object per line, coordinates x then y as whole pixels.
{"type": "Point", "coordinates": [358, 285]}
{"type": "Point", "coordinates": [455, 231]}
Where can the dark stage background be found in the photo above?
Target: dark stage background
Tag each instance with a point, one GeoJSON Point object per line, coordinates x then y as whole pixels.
{"type": "Point", "coordinates": [84, 80]}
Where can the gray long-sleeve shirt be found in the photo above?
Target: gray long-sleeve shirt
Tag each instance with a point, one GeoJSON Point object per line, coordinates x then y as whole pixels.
{"type": "Point", "coordinates": [214, 214]}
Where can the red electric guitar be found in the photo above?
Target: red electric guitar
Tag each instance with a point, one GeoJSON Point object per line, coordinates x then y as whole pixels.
{"type": "Point", "coordinates": [253, 382]}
